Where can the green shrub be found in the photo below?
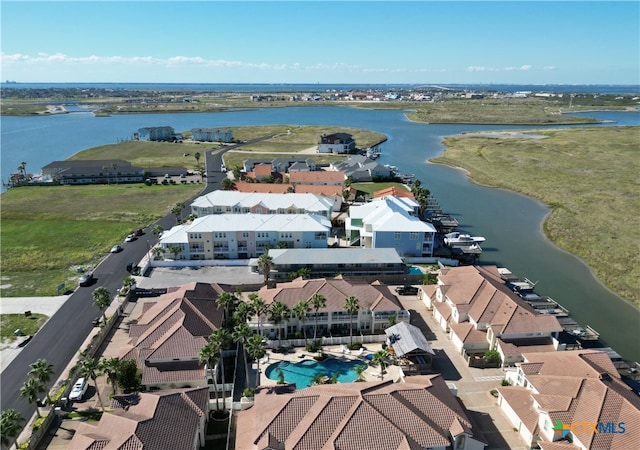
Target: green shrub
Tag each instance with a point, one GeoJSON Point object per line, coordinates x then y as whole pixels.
{"type": "Point", "coordinates": [492, 356]}
{"type": "Point", "coordinates": [249, 392]}
{"type": "Point", "coordinates": [356, 346]}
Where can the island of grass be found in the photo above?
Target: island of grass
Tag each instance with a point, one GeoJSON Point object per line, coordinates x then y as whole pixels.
{"type": "Point", "coordinates": [589, 178]}
{"type": "Point", "coordinates": [49, 232]}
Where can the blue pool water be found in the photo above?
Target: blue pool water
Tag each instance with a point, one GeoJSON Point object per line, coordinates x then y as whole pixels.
{"type": "Point", "coordinates": [302, 373]}
{"type": "Point", "coordinates": [413, 270]}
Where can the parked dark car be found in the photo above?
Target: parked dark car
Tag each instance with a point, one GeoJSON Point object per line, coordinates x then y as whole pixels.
{"type": "Point", "coordinates": [138, 232]}
{"type": "Point", "coordinates": [407, 290]}
{"type": "Point", "coordinates": [130, 266]}
{"type": "Point", "coordinates": [87, 279]}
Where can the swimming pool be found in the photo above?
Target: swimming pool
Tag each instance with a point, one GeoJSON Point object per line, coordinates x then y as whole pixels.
{"type": "Point", "coordinates": [302, 373]}
{"type": "Point", "coordinates": [414, 270]}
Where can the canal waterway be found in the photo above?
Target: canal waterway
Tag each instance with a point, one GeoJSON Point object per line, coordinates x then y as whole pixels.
{"type": "Point", "coordinates": [510, 222]}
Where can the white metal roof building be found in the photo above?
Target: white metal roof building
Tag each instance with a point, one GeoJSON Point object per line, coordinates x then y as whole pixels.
{"type": "Point", "coordinates": [241, 236]}
{"type": "Point", "coordinates": [391, 222]}
{"type": "Point", "coordinates": [235, 202]}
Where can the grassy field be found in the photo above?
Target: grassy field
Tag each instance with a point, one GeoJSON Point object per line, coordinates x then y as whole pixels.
{"type": "Point", "coordinates": [495, 111]}
{"type": "Point", "coordinates": [149, 154]}
{"type": "Point", "coordinates": [290, 140]}
{"type": "Point", "coordinates": [11, 322]}
{"type": "Point", "coordinates": [48, 232]}
{"type": "Point", "coordinates": [588, 176]}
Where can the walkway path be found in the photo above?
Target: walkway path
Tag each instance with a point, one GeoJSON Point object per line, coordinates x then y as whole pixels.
{"type": "Point", "coordinates": [473, 384]}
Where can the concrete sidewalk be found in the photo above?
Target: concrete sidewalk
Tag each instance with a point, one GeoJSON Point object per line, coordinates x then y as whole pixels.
{"type": "Point", "coordinates": [473, 385]}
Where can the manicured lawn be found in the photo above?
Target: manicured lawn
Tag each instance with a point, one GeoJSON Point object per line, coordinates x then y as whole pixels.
{"type": "Point", "coordinates": [589, 176]}
{"type": "Point", "coordinates": [48, 232]}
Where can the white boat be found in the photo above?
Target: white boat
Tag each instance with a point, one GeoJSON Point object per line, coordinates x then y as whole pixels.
{"type": "Point", "coordinates": [457, 239]}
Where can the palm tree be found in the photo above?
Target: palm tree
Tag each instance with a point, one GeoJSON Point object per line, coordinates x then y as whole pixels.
{"type": "Point", "coordinates": [265, 263]}
{"type": "Point", "coordinates": [351, 305]}
{"type": "Point", "coordinates": [197, 155]}
{"type": "Point", "coordinates": [102, 299]}
{"type": "Point", "coordinates": [359, 370]}
{"type": "Point", "coordinates": [300, 311]}
{"type": "Point", "coordinates": [157, 252]}
{"type": "Point", "coordinates": [177, 211]}
{"type": "Point", "coordinates": [175, 249]}
{"type": "Point", "coordinates": [114, 165]}
{"type": "Point", "coordinates": [379, 359]}
{"type": "Point", "coordinates": [258, 307]}
{"type": "Point", "coordinates": [227, 184]}
{"type": "Point", "coordinates": [241, 333]}
{"type": "Point", "coordinates": [220, 339]}
{"type": "Point", "coordinates": [242, 313]}
{"type": "Point", "coordinates": [31, 390]}
{"type": "Point", "coordinates": [156, 230]}
{"type": "Point", "coordinates": [227, 300]}
{"type": "Point", "coordinates": [209, 355]}
{"type": "Point", "coordinates": [10, 426]}
{"type": "Point", "coordinates": [90, 368]}
{"type": "Point", "coordinates": [318, 301]}
{"type": "Point", "coordinates": [279, 312]}
{"type": "Point", "coordinates": [111, 367]}
{"type": "Point", "coordinates": [41, 370]}
{"type": "Point", "coordinates": [256, 348]}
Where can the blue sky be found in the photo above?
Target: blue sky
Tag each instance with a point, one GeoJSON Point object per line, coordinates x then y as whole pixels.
{"type": "Point", "coordinates": [321, 42]}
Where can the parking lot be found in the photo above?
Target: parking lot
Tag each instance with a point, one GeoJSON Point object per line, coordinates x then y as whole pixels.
{"type": "Point", "coordinates": [163, 277]}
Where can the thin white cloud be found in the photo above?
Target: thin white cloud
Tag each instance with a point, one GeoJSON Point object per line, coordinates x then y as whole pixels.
{"type": "Point", "coordinates": [522, 68]}
{"type": "Point", "coordinates": [184, 61]}
{"type": "Point", "coordinates": [481, 69]}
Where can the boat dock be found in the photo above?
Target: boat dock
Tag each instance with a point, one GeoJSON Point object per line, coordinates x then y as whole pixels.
{"type": "Point", "coordinates": [585, 337]}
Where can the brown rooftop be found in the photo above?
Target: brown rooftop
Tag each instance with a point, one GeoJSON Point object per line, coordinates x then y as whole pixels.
{"type": "Point", "coordinates": [419, 413]}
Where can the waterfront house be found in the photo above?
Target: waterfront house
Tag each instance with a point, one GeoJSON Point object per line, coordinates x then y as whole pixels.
{"type": "Point", "coordinates": [409, 345]}
{"type": "Point", "coordinates": [280, 164]}
{"type": "Point", "coordinates": [167, 338]}
{"type": "Point", "coordinates": [474, 306]}
{"type": "Point", "coordinates": [154, 134]}
{"type": "Point", "coordinates": [174, 419]}
{"type": "Point", "coordinates": [572, 400]}
{"type": "Point", "coordinates": [360, 168]}
{"type": "Point", "coordinates": [377, 305]}
{"type": "Point", "coordinates": [211, 135]}
{"type": "Point", "coordinates": [104, 171]}
{"type": "Point", "coordinates": [328, 262]}
{"type": "Point", "coordinates": [420, 413]}
{"type": "Point", "coordinates": [235, 202]}
{"type": "Point", "coordinates": [243, 236]}
{"type": "Point", "coordinates": [336, 143]}
{"type": "Point", "coordinates": [391, 222]}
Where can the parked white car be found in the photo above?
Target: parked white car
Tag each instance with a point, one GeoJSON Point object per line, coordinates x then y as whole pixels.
{"type": "Point", "coordinates": [79, 389]}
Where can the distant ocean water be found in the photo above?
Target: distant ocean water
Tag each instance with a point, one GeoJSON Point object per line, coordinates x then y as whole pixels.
{"type": "Point", "coordinates": [284, 87]}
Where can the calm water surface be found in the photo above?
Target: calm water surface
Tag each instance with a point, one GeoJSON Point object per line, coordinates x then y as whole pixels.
{"type": "Point", "coordinates": [510, 222]}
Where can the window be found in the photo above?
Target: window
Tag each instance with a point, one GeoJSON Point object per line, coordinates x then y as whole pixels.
{"type": "Point", "coordinates": [245, 234]}
{"type": "Point", "coordinates": [397, 235]}
{"type": "Point", "coordinates": [413, 236]}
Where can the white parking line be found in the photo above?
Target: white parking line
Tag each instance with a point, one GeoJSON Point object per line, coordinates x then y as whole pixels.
{"type": "Point", "coordinates": [490, 378]}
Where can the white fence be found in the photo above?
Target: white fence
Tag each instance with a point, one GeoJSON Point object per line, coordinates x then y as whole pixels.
{"type": "Point", "coordinates": [332, 340]}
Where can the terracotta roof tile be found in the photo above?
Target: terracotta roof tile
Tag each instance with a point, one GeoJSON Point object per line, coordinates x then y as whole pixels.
{"type": "Point", "coordinates": [385, 415]}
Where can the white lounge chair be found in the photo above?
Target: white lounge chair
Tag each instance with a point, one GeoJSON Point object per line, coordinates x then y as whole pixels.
{"type": "Point", "coordinates": [360, 351]}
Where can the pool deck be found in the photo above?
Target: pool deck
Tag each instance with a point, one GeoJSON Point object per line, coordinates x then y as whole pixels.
{"type": "Point", "coordinates": [372, 373]}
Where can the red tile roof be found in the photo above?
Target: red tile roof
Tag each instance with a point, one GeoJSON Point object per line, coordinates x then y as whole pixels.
{"type": "Point", "coordinates": [317, 177]}
{"type": "Point", "coordinates": [376, 296]}
{"type": "Point", "coordinates": [419, 413]}
{"type": "Point", "coordinates": [167, 420]}
{"type": "Point", "coordinates": [175, 325]}
{"type": "Point", "coordinates": [263, 188]}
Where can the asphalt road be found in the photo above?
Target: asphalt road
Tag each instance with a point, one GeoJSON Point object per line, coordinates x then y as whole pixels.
{"type": "Point", "coordinates": [59, 340]}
